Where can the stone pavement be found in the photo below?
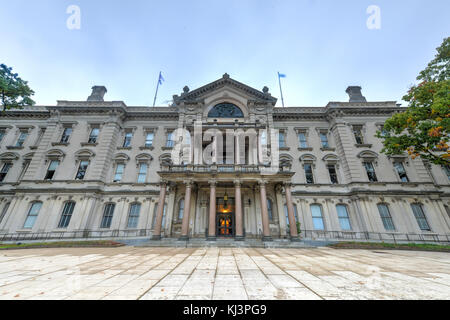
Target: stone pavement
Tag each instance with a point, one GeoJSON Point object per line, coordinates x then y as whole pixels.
{"type": "Point", "coordinates": [222, 273]}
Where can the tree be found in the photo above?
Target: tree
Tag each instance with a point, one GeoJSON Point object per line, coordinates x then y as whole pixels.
{"type": "Point", "coordinates": [14, 92]}
{"type": "Point", "coordinates": [423, 129]}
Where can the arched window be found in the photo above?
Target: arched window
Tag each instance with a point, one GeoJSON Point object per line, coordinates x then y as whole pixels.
{"type": "Point", "coordinates": [107, 215]}
{"type": "Point", "coordinates": [32, 215]}
{"type": "Point", "coordinates": [180, 209]}
{"type": "Point", "coordinates": [225, 110]}
{"type": "Point", "coordinates": [269, 209]}
{"type": "Point", "coordinates": [133, 217]}
{"type": "Point", "coordinates": [66, 214]}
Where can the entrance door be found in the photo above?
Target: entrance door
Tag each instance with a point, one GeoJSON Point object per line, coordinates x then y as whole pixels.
{"type": "Point", "coordinates": [225, 217]}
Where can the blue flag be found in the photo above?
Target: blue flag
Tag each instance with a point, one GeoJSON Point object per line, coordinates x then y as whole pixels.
{"type": "Point", "coordinates": [161, 79]}
{"type": "Point", "coordinates": [280, 75]}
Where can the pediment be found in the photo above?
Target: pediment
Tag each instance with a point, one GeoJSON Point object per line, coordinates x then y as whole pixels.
{"type": "Point", "coordinates": [224, 86]}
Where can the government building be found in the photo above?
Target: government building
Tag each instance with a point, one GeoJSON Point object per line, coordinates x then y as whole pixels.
{"type": "Point", "coordinates": [241, 168]}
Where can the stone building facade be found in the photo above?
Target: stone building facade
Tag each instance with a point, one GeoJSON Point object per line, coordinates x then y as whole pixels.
{"type": "Point", "coordinates": [102, 168]}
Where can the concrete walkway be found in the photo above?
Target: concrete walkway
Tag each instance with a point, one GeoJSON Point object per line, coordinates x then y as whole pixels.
{"type": "Point", "coordinates": [222, 273]}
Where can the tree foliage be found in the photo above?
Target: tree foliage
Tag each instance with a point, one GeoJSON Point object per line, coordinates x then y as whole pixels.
{"type": "Point", "coordinates": [14, 92]}
{"type": "Point", "coordinates": [423, 129]}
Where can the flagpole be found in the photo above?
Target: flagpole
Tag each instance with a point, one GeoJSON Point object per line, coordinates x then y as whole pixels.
{"type": "Point", "coordinates": [281, 91]}
{"type": "Point", "coordinates": [157, 86]}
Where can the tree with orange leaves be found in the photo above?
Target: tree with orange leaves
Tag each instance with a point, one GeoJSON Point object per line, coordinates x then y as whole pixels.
{"type": "Point", "coordinates": [423, 129]}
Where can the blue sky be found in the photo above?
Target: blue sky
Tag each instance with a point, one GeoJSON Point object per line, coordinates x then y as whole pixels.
{"type": "Point", "coordinates": [322, 46]}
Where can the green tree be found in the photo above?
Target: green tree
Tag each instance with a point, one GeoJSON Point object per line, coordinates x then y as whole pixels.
{"type": "Point", "coordinates": [423, 129]}
{"type": "Point", "coordinates": [14, 92]}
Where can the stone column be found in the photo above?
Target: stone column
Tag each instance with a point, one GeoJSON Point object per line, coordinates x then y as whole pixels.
{"type": "Point", "coordinates": [159, 214]}
{"type": "Point", "coordinates": [212, 211]}
{"type": "Point", "coordinates": [186, 212]}
{"type": "Point", "coordinates": [264, 212]}
{"type": "Point", "coordinates": [291, 214]}
{"type": "Point", "coordinates": [239, 235]}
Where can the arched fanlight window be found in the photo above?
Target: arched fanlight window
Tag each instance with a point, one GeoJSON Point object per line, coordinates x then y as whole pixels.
{"type": "Point", "coordinates": [225, 110]}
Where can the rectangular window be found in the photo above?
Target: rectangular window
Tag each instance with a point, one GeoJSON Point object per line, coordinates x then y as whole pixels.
{"type": "Point", "coordinates": [316, 212]}
{"type": "Point", "coordinates": [149, 139]}
{"type": "Point", "coordinates": [4, 171]}
{"type": "Point", "coordinates": [66, 214]}
{"type": "Point", "coordinates": [51, 170]}
{"type": "Point", "coordinates": [127, 139]}
{"type": "Point", "coordinates": [25, 166]}
{"type": "Point", "coordinates": [447, 209]}
{"type": "Point", "coordinates": [93, 136]}
{"type": "Point", "coordinates": [401, 171]}
{"type": "Point", "coordinates": [357, 131]}
{"type": "Point", "coordinates": [308, 173]}
{"type": "Point", "coordinates": [66, 135]}
{"type": "Point", "coordinates": [386, 217]}
{"type": "Point", "coordinates": [286, 213]}
{"type": "Point", "coordinates": [142, 173]}
{"type": "Point", "coordinates": [5, 209]}
{"type": "Point", "coordinates": [302, 140]}
{"type": "Point", "coordinates": [324, 139]}
{"type": "Point", "coordinates": [133, 217]}
{"type": "Point", "coordinates": [170, 142]}
{"type": "Point", "coordinates": [119, 172]}
{"type": "Point", "coordinates": [82, 170]}
{"type": "Point", "coordinates": [107, 215]}
{"type": "Point", "coordinates": [32, 215]}
{"type": "Point", "coordinates": [2, 134]}
{"type": "Point", "coordinates": [344, 219]}
{"type": "Point", "coordinates": [282, 139]}
{"type": "Point", "coordinates": [370, 171]}
{"type": "Point", "coordinates": [39, 137]}
{"type": "Point", "coordinates": [333, 174]}
{"type": "Point", "coordinates": [420, 217]}
{"type": "Point", "coordinates": [21, 140]}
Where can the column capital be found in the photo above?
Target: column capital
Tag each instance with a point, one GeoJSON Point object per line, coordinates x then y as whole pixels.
{"type": "Point", "coordinates": [163, 182]}
{"type": "Point", "coordinates": [212, 182]}
{"type": "Point", "coordinates": [189, 183]}
{"type": "Point", "coordinates": [262, 182]}
{"type": "Point", "coordinates": [287, 184]}
{"type": "Point", "coordinates": [237, 183]}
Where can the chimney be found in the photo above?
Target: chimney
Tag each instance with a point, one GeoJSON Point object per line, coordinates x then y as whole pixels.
{"type": "Point", "coordinates": [97, 93]}
{"type": "Point", "coordinates": [354, 92]}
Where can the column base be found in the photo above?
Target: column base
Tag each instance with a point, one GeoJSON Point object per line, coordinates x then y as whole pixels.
{"type": "Point", "coordinates": [209, 238]}
{"type": "Point", "coordinates": [239, 238]}
{"type": "Point", "coordinates": [183, 238]}
{"type": "Point", "coordinates": [268, 238]}
{"type": "Point", "coordinates": [295, 239]}
{"type": "Point", "coordinates": [156, 237]}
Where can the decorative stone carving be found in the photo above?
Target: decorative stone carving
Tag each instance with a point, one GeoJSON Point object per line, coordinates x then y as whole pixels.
{"type": "Point", "coordinates": [225, 110]}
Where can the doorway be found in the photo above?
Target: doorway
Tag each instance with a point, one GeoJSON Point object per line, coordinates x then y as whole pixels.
{"type": "Point", "coordinates": [225, 217]}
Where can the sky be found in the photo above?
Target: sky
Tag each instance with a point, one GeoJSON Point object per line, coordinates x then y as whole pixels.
{"type": "Point", "coordinates": [322, 46]}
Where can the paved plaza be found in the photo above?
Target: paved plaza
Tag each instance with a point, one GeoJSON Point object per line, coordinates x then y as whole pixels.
{"type": "Point", "coordinates": [222, 273]}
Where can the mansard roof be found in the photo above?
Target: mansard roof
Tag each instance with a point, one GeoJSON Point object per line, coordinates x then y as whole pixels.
{"type": "Point", "coordinates": [197, 94]}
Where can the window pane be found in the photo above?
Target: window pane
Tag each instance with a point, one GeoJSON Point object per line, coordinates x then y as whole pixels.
{"type": "Point", "coordinates": [142, 173]}
{"type": "Point", "coordinates": [447, 171]}
{"type": "Point", "coordinates": [127, 140]}
{"type": "Point", "coordinates": [316, 212]}
{"type": "Point", "coordinates": [302, 140]}
{"type": "Point", "coordinates": [420, 217]}
{"type": "Point", "coordinates": [66, 214]}
{"type": "Point", "coordinates": [82, 170]}
{"type": "Point", "coordinates": [386, 217]}
{"type": "Point", "coordinates": [119, 172]}
{"type": "Point", "coordinates": [4, 171]}
{"type": "Point", "coordinates": [155, 211]}
{"type": "Point", "coordinates": [5, 209]}
{"type": "Point", "coordinates": [149, 139]}
{"type": "Point", "coordinates": [282, 139]}
{"type": "Point", "coordinates": [169, 142]}
{"type": "Point", "coordinates": [180, 209]}
{"type": "Point", "coordinates": [357, 131]}
{"type": "Point", "coordinates": [107, 215]}
{"type": "Point", "coordinates": [21, 139]}
{"type": "Point", "coordinates": [66, 135]}
{"type": "Point", "coordinates": [344, 219]}
{"type": "Point", "coordinates": [324, 139]}
{"type": "Point", "coordinates": [401, 171]}
{"type": "Point", "coordinates": [32, 215]}
{"type": "Point", "coordinates": [269, 209]}
{"type": "Point", "coordinates": [308, 173]}
{"type": "Point", "coordinates": [370, 171]}
{"type": "Point", "coordinates": [332, 173]}
{"type": "Point", "coordinates": [94, 135]}
{"type": "Point", "coordinates": [134, 215]}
